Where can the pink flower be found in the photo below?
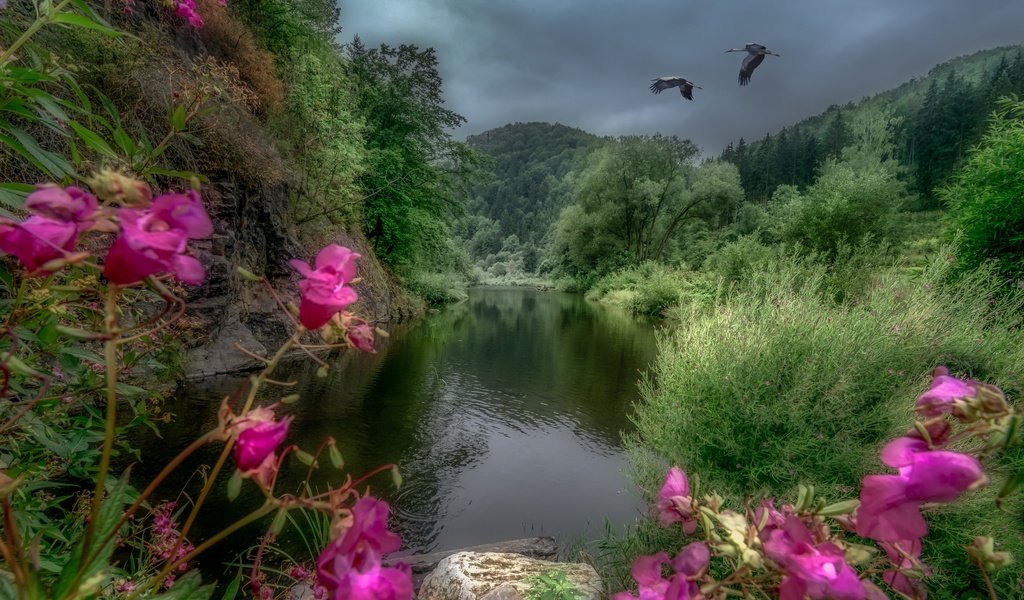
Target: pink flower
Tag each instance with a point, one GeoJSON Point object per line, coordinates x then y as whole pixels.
{"type": "Point", "coordinates": [890, 505]}
{"type": "Point", "coordinates": [944, 391]}
{"type": "Point", "coordinates": [37, 240]}
{"type": "Point", "coordinates": [186, 9]}
{"type": "Point", "coordinates": [153, 240]}
{"type": "Point", "coordinates": [361, 337]}
{"type": "Point", "coordinates": [324, 293]}
{"type": "Point", "coordinates": [347, 578]}
{"type": "Point", "coordinates": [70, 205]}
{"type": "Point", "coordinates": [350, 568]}
{"type": "Point", "coordinates": [691, 562]}
{"type": "Point", "coordinates": [905, 555]}
{"type": "Point", "coordinates": [259, 435]}
{"type": "Point", "coordinates": [812, 571]}
{"type": "Point", "coordinates": [674, 502]}
{"type": "Point", "coordinates": [369, 530]}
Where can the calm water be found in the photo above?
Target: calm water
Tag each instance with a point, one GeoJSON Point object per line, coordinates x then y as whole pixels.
{"type": "Point", "coordinates": [504, 413]}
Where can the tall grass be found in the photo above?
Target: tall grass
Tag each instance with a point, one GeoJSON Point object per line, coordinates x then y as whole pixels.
{"type": "Point", "coordinates": [778, 384]}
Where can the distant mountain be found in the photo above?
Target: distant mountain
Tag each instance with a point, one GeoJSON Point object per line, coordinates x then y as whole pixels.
{"type": "Point", "coordinates": [530, 162]}
{"type": "Point", "coordinates": [943, 114]}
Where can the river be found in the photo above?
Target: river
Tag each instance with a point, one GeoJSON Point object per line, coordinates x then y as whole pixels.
{"type": "Point", "coordinates": [505, 414]}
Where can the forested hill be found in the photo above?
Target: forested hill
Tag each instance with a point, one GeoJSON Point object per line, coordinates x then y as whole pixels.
{"type": "Point", "coordinates": [526, 193]}
{"type": "Point", "coordinates": [934, 121]}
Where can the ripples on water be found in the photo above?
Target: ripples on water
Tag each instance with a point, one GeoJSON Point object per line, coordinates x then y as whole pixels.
{"type": "Point", "coordinates": [504, 413]}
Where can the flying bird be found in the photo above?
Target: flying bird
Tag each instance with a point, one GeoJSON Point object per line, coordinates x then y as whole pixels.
{"type": "Point", "coordinates": [755, 55]}
{"type": "Point", "coordinates": [685, 85]}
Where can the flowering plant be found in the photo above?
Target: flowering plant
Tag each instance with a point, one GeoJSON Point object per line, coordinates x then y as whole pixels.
{"type": "Point", "coordinates": [141, 242]}
{"type": "Point", "coordinates": [807, 549]}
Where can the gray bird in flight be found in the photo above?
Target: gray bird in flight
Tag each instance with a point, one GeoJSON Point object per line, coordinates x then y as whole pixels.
{"type": "Point", "coordinates": [755, 55]}
{"type": "Point", "coordinates": [685, 85]}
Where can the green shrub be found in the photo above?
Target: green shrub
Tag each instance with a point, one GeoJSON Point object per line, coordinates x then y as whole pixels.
{"type": "Point", "coordinates": [779, 385]}
{"type": "Point", "coordinates": [437, 289]}
{"type": "Point", "coordinates": [986, 199]}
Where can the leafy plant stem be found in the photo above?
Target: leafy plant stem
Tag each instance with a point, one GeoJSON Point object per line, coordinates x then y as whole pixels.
{"type": "Point", "coordinates": [110, 327]}
{"type": "Point", "coordinates": [33, 28]}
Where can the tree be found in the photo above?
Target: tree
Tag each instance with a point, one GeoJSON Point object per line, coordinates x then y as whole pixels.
{"type": "Point", "coordinates": [633, 199]}
{"type": "Point", "coordinates": [414, 164]}
{"type": "Point", "coordinates": [985, 197]}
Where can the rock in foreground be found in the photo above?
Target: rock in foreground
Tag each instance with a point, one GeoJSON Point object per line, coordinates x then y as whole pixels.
{"type": "Point", "coordinates": [472, 575]}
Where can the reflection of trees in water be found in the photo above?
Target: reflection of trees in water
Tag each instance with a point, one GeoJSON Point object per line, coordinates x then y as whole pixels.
{"type": "Point", "coordinates": [435, 394]}
{"type": "Point", "coordinates": [563, 356]}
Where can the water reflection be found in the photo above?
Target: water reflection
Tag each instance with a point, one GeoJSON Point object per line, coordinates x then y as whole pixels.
{"type": "Point", "coordinates": [504, 414]}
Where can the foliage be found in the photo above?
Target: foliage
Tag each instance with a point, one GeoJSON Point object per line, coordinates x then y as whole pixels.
{"type": "Point", "coordinates": [652, 289]}
{"type": "Point", "coordinates": [961, 430]}
{"type": "Point", "coordinates": [553, 585]}
{"type": "Point", "coordinates": [777, 381]}
{"type": "Point", "coordinates": [437, 289]}
{"type": "Point", "coordinates": [985, 197]}
{"type": "Point", "coordinates": [938, 118]}
{"type": "Point", "coordinates": [413, 162]}
{"type": "Point", "coordinates": [526, 188]}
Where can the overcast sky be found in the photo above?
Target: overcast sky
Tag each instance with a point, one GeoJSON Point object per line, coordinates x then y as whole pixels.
{"type": "Point", "coordinates": [588, 63]}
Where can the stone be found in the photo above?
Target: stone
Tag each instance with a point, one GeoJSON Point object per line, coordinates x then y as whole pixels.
{"type": "Point", "coordinates": [475, 575]}
{"type": "Point", "coordinates": [503, 592]}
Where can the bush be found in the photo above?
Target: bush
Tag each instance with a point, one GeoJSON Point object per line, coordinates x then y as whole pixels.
{"type": "Point", "coordinates": [778, 385]}
{"type": "Point", "coordinates": [650, 289]}
{"type": "Point", "coordinates": [985, 198]}
{"type": "Point", "coordinates": [437, 289]}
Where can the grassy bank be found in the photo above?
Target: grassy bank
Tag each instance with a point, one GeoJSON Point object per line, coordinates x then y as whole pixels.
{"type": "Point", "coordinates": [776, 383]}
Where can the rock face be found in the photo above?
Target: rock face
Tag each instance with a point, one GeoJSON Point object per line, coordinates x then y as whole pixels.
{"type": "Point", "coordinates": [252, 230]}
{"type": "Point", "coordinates": [474, 575]}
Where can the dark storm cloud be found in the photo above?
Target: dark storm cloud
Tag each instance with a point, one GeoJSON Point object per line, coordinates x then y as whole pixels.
{"type": "Point", "coordinates": [587, 63]}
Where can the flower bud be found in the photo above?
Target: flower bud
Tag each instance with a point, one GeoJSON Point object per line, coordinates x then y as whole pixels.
{"type": "Point", "coordinates": [983, 551]}
{"type": "Point", "coordinates": [112, 186]}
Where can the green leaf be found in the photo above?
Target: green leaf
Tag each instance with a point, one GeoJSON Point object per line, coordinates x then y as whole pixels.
{"type": "Point", "coordinates": [396, 477]}
{"type": "Point", "coordinates": [175, 174]}
{"type": "Point", "coordinates": [188, 587]}
{"type": "Point", "coordinates": [232, 591]}
{"type": "Point", "coordinates": [108, 517]}
{"type": "Point", "coordinates": [178, 118]}
{"type": "Point", "coordinates": [124, 141]}
{"type": "Point", "coordinates": [82, 353]}
{"type": "Point", "coordinates": [54, 164]}
{"type": "Point", "coordinates": [65, 18]}
{"type": "Point", "coordinates": [92, 139]}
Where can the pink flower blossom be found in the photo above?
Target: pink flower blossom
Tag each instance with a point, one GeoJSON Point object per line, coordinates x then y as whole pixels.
{"type": "Point", "coordinates": [674, 502]}
{"type": "Point", "coordinates": [691, 562]}
{"type": "Point", "coordinates": [890, 505]}
{"type": "Point", "coordinates": [348, 578]}
{"type": "Point", "coordinates": [324, 293]}
{"type": "Point", "coordinates": [186, 9]}
{"type": "Point", "coordinates": [153, 240]}
{"type": "Point", "coordinates": [69, 205]}
{"type": "Point", "coordinates": [944, 391]}
{"type": "Point", "coordinates": [259, 435]}
{"type": "Point", "coordinates": [37, 240]}
{"type": "Point", "coordinates": [905, 555]}
{"type": "Point", "coordinates": [361, 337]}
{"type": "Point", "coordinates": [350, 567]}
{"type": "Point", "coordinates": [815, 571]}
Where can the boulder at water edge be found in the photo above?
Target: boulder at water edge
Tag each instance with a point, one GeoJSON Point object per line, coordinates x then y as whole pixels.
{"type": "Point", "coordinates": [472, 575]}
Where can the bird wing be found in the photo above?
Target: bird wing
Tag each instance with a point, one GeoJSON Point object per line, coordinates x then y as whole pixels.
{"type": "Point", "coordinates": [663, 83]}
{"type": "Point", "coordinates": [686, 90]}
{"type": "Point", "coordinates": [749, 64]}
